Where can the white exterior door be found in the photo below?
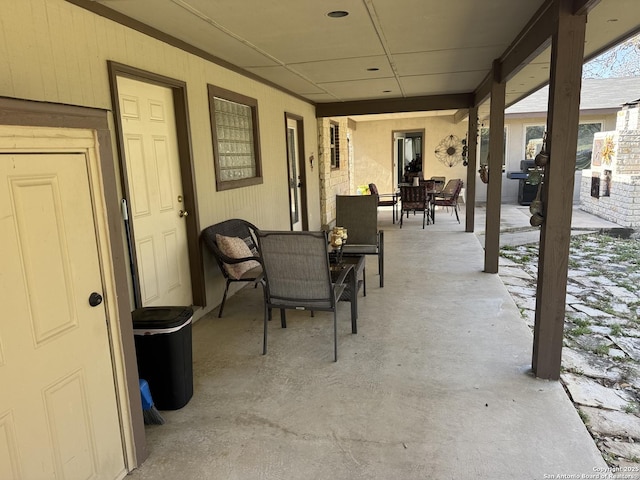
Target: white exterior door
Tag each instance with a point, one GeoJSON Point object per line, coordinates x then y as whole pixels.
{"type": "Point", "coordinates": [58, 408]}
{"type": "Point", "coordinates": [294, 175]}
{"type": "Point", "coordinates": [155, 188]}
{"type": "Point", "coordinates": [398, 159]}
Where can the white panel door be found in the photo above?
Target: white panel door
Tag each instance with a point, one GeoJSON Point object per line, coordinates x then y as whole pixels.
{"type": "Point", "coordinates": [155, 188]}
{"type": "Point", "coordinates": [58, 410]}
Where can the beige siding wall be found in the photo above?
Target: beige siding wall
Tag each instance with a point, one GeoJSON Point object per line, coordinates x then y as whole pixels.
{"type": "Point", "coordinates": [54, 51]}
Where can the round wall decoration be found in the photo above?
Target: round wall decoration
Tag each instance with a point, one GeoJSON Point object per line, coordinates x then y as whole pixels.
{"type": "Point", "coordinates": [449, 150]}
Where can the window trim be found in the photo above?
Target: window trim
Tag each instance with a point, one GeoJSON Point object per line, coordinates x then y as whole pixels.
{"type": "Point", "coordinates": [334, 145]}
{"type": "Point", "coordinates": [595, 121]}
{"type": "Point", "coordinates": [505, 148]}
{"type": "Point", "coordinates": [525, 126]}
{"type": "Point", "coordinates": [252, 103]}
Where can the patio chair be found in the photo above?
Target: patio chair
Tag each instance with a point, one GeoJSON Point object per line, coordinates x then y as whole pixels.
{"type": "Point", "coordinates": [234, 245]}
{"type": "Point", "coordinates": [414, 199]}
{"type": "Point", "coordinates": [448, 197]}
{"type": "Point", "coordinates": [430, 185]}
{"type": "Point", "coordinates": [359, 215]}
{"type": "Point", "coordinates": [297, 276]}
{"type": "Point", "coordinates": [440, 181]}
{"type": "Point", "coordinates": [385, 200]}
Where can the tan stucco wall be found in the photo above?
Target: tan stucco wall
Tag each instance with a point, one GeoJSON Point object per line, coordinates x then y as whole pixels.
{"type": "Point", "coordinates": [373, 148]}
{"type": "Point", "coordinates": [54, 51]}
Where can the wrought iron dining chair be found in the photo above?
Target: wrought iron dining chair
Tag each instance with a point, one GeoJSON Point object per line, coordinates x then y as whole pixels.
{"type": "Point", "coordinates": [448, 197]}
{"type": "Point", "coordinates": [386, 200]}
{"type": "Point", "coordinates": [297, 276]}
{"type": "Point", "coordinates": [439, 182]}
{"type": "Point", "coordinates": [414, 199]}
{"type": "Point", "coordinates": [359, 215]}
{"type": "Point", "coordinates": [234, 246]}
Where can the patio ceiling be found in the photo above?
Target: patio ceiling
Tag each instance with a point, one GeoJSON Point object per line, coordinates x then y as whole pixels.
{"type": "Point", "coordinates": [419, 48]}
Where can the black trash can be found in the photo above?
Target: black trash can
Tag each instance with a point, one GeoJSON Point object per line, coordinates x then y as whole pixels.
{"type": "Point", "coordinates": [163, 349]}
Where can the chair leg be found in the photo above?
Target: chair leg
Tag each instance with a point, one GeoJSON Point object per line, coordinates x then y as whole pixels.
{"type": "Point", "coordinates": [381, 258]}
{"type": "Point", "coordinates": [335, 334]}
{"type": "Point", "coordinates": [283, 318]}
{"type": "Point", "coordinates": [424, 217]}
{"type": "Point", "coordinates": [267, 311]}
{"type": "Point", "coordinates": [264, 293]}
{"type": "Point", "coordinates": [455, 209]}
{"type": "Point", "coordinates": [364, 280]}
{"type": "Point", "coordinates": [224, 298]}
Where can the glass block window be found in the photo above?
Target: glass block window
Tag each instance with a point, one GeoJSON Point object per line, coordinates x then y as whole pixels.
{"type": "Point", "coordinates": [234, 126]}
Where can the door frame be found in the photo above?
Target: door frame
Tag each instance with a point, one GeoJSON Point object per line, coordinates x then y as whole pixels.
{"type": "Point", "coordinates": [395, 135]}
{"type": "Point", "coordinates": [85, 130]}
{"type": "Point", "coordinates": [301, 169]}
{"type": "Point", "coordinates": [183, 131]}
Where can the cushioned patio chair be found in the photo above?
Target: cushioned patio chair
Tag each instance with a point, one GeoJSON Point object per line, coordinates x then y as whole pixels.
{"type": "Point", "coordinates": [234, 245]}
{"type": "Point", "coordinates": [297, 276]}
{"type": "Point", "coordinates": [448, 197]}
{"type": "Point", "coordinates": [414, 199]}
{"type": "Point", "coordinates": [386, 200]}
{"type": "Point", "coordinates": [359, 215]}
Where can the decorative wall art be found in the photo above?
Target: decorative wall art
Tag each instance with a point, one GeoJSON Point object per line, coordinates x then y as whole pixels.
{"type": "Point", "coordinates": [449, 150]}
{"type": "Point", "coordinates": [608, 150]}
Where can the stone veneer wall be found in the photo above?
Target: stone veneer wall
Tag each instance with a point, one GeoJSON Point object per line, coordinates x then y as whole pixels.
{"type": "Point", "coordinates": [333, 181]}
{"type": "Point", "coordinates": [623, 204]}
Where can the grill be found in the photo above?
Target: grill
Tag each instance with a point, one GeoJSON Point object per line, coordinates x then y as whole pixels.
{"type": "Point", "coordinates": [526, 190]}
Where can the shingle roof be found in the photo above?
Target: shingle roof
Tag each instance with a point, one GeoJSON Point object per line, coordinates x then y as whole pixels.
{"type": "Point", "coordinates": [597, 93]}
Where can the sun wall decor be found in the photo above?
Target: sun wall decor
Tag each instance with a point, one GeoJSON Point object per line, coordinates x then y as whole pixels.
{"type": "Point", "coordinates": [608, 150]}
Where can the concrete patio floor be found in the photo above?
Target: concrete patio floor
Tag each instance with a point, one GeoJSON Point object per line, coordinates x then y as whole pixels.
{"type": "Point", "coordinates": [435, 385]}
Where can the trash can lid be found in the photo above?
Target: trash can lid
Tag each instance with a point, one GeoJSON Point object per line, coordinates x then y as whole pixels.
{"type": "Point", "coordinates": [161, 317]}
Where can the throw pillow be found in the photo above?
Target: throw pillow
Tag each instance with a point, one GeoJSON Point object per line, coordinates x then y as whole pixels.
{"type": "Point", "coordinates": [236, 247]}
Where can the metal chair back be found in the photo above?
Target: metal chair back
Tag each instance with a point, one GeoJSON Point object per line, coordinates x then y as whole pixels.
{"type": "Point", "coordinates": [359, 215]}
{"type": "Point", "coordinates": [297, 276]}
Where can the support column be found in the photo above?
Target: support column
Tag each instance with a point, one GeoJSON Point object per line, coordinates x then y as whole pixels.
{"type": "Point", "coordinates": [567, 57]}
{"type": "Point", "coordinates": [494, 188]}
{"type": "Point", "coordinates": [472, 146]}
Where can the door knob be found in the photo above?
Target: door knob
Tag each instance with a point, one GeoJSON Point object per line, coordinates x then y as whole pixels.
{"type": "Point", "coordinates": [183, 213]}
{"type": "Point", "coordinates": [95, 299]}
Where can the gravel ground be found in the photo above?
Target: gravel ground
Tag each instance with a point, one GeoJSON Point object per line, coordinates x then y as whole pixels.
{"type": "Point", "coordinates": [601, 354]}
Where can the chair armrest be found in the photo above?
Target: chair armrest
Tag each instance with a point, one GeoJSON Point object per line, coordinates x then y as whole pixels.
{"type": "Point", "coordinates": [231, 260]}
{"type": "Point", "coordinates": [443, 196]}
{"type": "Point", "coordinates": [226, 259]}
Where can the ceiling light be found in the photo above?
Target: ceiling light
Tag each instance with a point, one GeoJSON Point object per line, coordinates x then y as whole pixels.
{"type": "Point", "coordinates": [386, 91]}
{"type": "Point", "coordinates": [373, 69]}
{"type": "Point", "coordinates": [337, 14]}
